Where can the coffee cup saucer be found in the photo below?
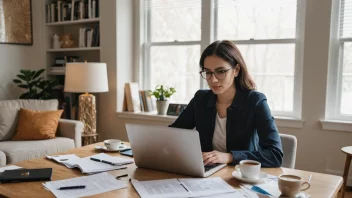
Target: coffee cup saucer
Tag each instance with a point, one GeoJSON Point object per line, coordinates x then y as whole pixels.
{"type": "Point", "coordinates": [237, 174]}
{"type": "Point", "coordinates": [103, 148]}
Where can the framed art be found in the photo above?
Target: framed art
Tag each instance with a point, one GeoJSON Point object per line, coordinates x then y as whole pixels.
{"type": "Point", "coordinates": [175, 109]}
{"type": "Point", "coordinates": [16, 22]}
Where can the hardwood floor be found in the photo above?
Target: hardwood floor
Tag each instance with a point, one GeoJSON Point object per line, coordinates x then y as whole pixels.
{"type": "Point", "coordinates": [348, 194]}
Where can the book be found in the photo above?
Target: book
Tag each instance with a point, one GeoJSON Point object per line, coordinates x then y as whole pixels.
{"type": "Point", "coordinates": [132, 97]}
{"type": "Point", "coordinates": [25, 175]}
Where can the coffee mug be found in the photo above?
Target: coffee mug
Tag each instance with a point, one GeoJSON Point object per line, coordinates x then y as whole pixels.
{"type": "Point", "coordinates": [112, 144]}
{"type": "Point", "coordinates": [291, 185]}
{"type": "Point", "coordinates": [250, 169]}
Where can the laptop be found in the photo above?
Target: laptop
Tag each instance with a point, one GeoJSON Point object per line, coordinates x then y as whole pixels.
{"type": "Point", "coordinates": [168, 149]}
{"type": "Point", "coordinates": [24, 175]}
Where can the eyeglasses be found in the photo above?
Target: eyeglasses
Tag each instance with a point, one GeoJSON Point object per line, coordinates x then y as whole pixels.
{"type": "Point", "coordinates": [219, 74]}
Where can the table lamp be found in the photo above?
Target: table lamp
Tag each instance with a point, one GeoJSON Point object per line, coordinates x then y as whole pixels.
{"type": "Point", "coordinates": [84, 78]}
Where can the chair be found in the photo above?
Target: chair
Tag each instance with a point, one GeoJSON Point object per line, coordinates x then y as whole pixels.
{"type": "Point", "coordinates": [289, 146]}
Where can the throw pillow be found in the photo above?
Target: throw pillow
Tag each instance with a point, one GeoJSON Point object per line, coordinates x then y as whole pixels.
{"type": "Point", "coordinates": [37, 125]}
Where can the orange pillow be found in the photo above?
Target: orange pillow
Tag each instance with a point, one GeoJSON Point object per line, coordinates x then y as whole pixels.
{"type": "Point", "coordinates": [37, 125]}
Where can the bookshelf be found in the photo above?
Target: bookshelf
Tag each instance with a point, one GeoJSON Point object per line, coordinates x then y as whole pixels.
{"type": "Point", "coordinates": [79, 19]}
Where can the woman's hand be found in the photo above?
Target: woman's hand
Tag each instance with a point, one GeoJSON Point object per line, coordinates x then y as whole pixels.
{"type": "Point", "coordinates": [214, 157]}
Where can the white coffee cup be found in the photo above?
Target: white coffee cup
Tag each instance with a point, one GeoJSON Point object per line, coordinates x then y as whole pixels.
{"type": "Point", "coordinates": [291, 185]}
{"type": "Point", "coordinates": [249, 169]}
{"type": "Point", "coordinates": [112, 144]}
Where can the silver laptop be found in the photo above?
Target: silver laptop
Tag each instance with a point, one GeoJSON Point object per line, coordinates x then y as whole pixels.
{"type": "Point", "coordinates": [168, 149]}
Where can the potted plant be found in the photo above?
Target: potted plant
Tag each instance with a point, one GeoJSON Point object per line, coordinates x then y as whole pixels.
{"type": "Point", "coordinates": [161, 94]}
{"type": "Point", "coordinates": [36, 86]}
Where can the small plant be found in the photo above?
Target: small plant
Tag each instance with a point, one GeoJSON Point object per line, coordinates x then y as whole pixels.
{"type": "Point", "coordinates": [161, 93]}
{"type": "Point", "coordinates": [36, 86]}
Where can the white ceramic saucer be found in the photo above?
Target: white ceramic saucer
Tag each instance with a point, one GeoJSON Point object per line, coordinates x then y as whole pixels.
{"type": "Point", "coordinates": [103, 148]}
{"type": "Point", "coordinates": [237, 174]}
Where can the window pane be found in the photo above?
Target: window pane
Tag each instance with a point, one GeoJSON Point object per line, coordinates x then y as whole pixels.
{"type": "Point", "coordinates": [245, 19]}
{"type": "Point", "coordinates": [346, 93]}
{"type": "Point", "coordinates": [272, 67]}
{"type": "Point", "coordinates": [178, 67]}
{"type": "Point", "coordinates": [175, 20]}
{"type": "Point", "coordinates": [346, 18]}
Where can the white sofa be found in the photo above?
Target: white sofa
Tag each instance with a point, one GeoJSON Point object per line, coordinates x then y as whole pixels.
{"type": "Point", "coordinates": [68, 135]}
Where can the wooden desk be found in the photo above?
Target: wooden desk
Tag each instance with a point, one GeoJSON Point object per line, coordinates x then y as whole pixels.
{"type": "Point", "coordinates": [322, 185]}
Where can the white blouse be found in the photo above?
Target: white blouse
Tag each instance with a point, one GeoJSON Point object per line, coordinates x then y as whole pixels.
{"type": "Point", "coordinates": [219, 138]}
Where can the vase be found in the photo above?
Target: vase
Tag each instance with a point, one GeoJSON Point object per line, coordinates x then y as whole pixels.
{"type": "Point", "coordinates": [161, 106]}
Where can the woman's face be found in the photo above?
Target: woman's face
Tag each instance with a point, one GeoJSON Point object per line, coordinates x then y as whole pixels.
{"type": "Point", "coordinates": [224, 75]}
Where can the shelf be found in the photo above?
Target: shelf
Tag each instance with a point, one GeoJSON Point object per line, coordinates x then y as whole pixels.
{"type": "Point", "coordinates": [73, 49]}
{"type": "Point", "coordinates": [93, 20]}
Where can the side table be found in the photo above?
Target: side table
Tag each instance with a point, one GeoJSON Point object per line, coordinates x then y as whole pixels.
{"type": "Point", "coordinates": [89, 139]}
{"type": "Point", "coordinates": [348, 151]}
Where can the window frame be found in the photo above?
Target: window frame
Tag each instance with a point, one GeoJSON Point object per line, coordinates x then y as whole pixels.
{"type": "Point", "coordinates": [334, 85]}
{"type": "Point", "coordinates": [208, 35]}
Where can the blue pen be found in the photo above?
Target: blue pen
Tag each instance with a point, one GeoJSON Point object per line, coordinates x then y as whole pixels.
{"type": "Point", "coordinates": [260, 190]}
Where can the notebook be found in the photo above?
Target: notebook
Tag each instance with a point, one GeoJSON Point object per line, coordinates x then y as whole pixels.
{"type": "Point", "coordinates": [23, 175]}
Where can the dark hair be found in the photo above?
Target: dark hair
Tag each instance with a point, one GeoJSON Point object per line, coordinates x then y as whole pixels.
{"type": "Point", "coordinates": [230, 53]}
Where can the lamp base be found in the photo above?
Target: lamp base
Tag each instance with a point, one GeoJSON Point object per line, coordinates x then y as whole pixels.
{"type": "Point", "coordinates": [87, 113]}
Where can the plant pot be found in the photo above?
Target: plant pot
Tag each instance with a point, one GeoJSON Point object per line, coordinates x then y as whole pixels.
{"type": "Point", "coordinates": [161, 106]}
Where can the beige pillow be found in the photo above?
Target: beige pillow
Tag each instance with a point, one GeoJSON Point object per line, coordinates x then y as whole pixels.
{"type": "Point", "coordinates": [37, 125]}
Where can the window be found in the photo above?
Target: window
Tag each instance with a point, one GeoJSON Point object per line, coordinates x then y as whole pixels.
{"type": "Point", "coordinates": [339, 95]}
{"type": "Point", "coordinates": [268, 35]}
{"type": "Point", "coordinates": [173, 46]}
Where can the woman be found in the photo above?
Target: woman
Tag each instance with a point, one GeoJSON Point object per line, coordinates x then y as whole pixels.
{"type": "Point", "coordinates": [234, 121]}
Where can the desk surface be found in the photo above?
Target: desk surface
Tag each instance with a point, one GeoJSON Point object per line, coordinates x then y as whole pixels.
{"type": "Point", "coordinates": [322, 185]}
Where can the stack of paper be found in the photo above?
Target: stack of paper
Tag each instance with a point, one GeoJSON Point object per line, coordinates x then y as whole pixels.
{"type": "Point", "coordinates": [94, 184]}
{"type": "Point", "coordinates": [190, 187]}
{"type": "Point", "coordinates": [87, 165]}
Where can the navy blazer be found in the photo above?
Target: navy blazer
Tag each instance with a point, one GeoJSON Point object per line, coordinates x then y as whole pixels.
{"type": "Point", "coordinates": [251, 132]}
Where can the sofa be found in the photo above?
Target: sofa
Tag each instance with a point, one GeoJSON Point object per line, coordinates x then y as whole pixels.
{"type": "Point", "coordinates": [68, 135]}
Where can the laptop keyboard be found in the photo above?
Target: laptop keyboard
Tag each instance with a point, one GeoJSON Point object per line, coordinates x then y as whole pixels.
{"type": "Point", "coordinates": [209, 167]}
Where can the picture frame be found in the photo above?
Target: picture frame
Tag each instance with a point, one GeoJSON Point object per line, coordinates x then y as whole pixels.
{"type": "Point", "coordinates": [175, 109]}
{"type": "Point", "coordinates": [17, 27]}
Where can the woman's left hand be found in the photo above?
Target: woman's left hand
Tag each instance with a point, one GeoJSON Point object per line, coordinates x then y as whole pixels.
{"type": "Point", "coordinates": [214, 157]}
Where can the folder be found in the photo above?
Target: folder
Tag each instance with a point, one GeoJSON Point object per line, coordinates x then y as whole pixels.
{"type": "Point", "coordinates": [26, 175]}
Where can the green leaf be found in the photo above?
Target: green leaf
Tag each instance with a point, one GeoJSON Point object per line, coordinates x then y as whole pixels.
{"type": "Point", "coordinates": [23, 86]}
{"type": "Point", "coordinates": [17, 81]}
{"type": "Point", "coordinates": [38, 73]}
{"type": "Point", "coordinates": [24, 96]}
{"type": "Point", "coordinates": [22, 77]}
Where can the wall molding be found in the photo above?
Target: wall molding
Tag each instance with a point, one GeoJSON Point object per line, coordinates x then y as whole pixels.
{"type": "Point", "coordinates": [336, 125]}
{"type": "Point", "coordinates": [152, 116]}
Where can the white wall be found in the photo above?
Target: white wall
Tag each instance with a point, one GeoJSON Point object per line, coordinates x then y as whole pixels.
{"type": "Point", "coordinates": [117, 51]}
{"type": "Point", "coordinates": [16, 57]}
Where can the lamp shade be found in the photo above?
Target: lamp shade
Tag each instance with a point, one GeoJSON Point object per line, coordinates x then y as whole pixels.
{"type": "Point", "coordinates": [86, 77]}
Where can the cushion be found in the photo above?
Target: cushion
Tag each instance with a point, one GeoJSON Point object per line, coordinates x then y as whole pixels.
{"type": "Point", "coordinates": [9, 113]}
{"type": "Point", "coordinates": [37, 125]}
{"type": "Point", "coordinates": [24, 150]}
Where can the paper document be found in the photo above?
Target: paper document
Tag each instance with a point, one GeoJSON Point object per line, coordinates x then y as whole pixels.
{"type": "Point", "coordinates": [190, 187]}
{"type": "Point", "coordinates": [65, 159]}
{"type": "Point", "coordinates": [12, 167]}
{"type": "Point", "coordinates": [95, 184]}
{"type": "Point", "coordinates": [86, 165]}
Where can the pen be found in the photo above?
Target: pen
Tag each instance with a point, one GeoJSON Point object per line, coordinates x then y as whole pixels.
{"type": "Point", "coordinates": [184, 187]}
{"type": "Point", "coordinates": [95, 159]}
{"type": "Point", "coordinates": [125, 175]}
{"type": "Point", "coordinates": [71, 187]}
{"type": "Point", "coordinates": [107, 162]}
